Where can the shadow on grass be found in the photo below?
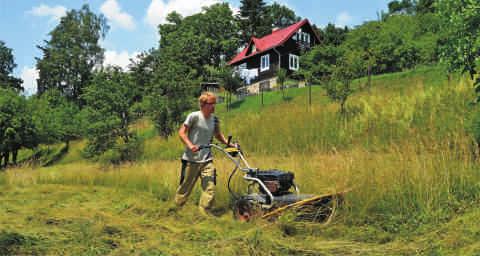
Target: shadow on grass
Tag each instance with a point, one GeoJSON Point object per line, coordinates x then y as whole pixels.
{"type": "Point", "coordinates": [12, 243]}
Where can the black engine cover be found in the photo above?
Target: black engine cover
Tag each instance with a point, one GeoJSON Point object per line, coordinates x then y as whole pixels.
{"type": "Point", "coordinates": [284, 179]}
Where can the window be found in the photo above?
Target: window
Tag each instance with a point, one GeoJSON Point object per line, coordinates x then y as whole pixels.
{"type": "Point", "coordinates": [292, 62]}
{"type": "Point", "coordinates": [265, 62]}
{"type": "Point", "coordinates": [302, 36]}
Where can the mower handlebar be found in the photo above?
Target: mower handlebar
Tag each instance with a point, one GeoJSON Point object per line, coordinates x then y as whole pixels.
{"type": "Point", "coordinates": [205, 146]}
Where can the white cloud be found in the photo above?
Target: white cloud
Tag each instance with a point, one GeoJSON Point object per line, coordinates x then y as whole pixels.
{"type": "Point", "coordinates": [343, 19]}
{"type": "Point", "coordinates": [121, 59]}
{"type": "Point", "coordinates": [113, 12]}
{"type": "Point", "coordinates": [158, 10]}
{"type": "Point", "coordinates": [29, 77]}
{"type": "Point", "coordinates": [55, 13]}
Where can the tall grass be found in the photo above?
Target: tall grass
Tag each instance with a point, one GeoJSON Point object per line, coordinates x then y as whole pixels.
{"type": "Point", "coordinates": [402, 148]}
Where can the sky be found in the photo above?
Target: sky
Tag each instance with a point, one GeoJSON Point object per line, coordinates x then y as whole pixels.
{"type": "Point", "coordinates": [24, 24]}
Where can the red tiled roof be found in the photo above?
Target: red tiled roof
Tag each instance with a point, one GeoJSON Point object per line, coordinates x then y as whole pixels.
{"type": "Point", "coordinates": [268, 42]}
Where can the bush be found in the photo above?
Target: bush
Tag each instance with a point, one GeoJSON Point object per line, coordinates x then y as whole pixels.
{"type": "Point", "coordinates": [123, 152]}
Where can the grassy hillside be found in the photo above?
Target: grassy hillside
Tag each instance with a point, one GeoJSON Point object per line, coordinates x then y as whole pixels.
{"type": "Point", "coordinates": [402, 147]}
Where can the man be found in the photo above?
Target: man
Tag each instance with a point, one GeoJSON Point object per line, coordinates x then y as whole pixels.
{"type": "Point", "coordinates": [199, 129]}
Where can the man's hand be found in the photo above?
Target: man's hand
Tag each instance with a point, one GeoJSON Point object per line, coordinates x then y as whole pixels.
{"type": "Point", "coordinates": [234, 145]}
{"type": "Point", "coordinates": [194, 148]}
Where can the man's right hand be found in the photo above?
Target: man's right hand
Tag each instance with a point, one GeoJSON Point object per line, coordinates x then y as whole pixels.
{"type": "Point", "coordinates": [194, 148]}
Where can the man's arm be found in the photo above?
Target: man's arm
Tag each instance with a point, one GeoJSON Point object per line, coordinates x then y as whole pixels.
{"type": "Point", "coordinates": [221, 138]}
{"type": "Point", "coordinates": [182, 132]}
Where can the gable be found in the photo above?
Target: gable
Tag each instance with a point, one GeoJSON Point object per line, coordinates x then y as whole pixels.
{"type": "Point", "coordinates": [273, 40]}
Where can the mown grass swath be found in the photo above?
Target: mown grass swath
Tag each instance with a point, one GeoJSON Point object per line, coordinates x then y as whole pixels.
{"type": "Point", "coordinates": [402, 148]}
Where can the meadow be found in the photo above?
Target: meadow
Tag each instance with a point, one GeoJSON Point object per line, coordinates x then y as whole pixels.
{"type": "Point", "coordinates": [404, 147]}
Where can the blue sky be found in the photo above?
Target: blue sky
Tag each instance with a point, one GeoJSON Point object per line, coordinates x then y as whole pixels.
{"type": "Point", "coordinates": [26, 23]}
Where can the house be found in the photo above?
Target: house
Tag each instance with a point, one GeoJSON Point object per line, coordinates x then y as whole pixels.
{"type": "Point", "coordinates": [259, 61]}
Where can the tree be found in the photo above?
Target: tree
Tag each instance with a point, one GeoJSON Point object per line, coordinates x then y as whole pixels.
{"type": "Point", "coordinates": [174, 86]}
{"type": "Point", "coordinates": [16, 126]}
{"type": "Point", "coordinates": [281, 77]}
{"type": "Point", "coordinates": [7, 64]}
{"type": "Point", "coordinates": [72, 53]}
{"type": "Point", "coordinates": [110, 110]}
{"type": "Point", "coordinates": [339, 88]}
{"type": "Point", "coordinates": [365, 39]}
{"type": "Point", "coordinates": [187, 47]}
{"type": "Point", "coordinates": [231, 82]}
{"type": "Point", "coordinates": [460, 47]}
{"type": "Point", "coordinates": [56, 119]}
{"type": "Point", "coordinates": [253, 19]}
{"type": "Point", "coordinates": [218, 26]}
{"type": "Point", "coordinates": [401, 7]}
{"type": "Point", "coordinates": [202, 39]}
{"type": "Point", "coordinates": [142, 71]}
{"type": "Point", "coordinates": [425, 6]}
{"type": "Point", "coordinates": [281, 16]}
{"type": "Point", "coordinates": [332, 35]}
{"type": "Point", "coordinates": [320, 61]}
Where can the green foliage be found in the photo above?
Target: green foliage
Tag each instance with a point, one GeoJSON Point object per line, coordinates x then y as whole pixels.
{"type": "Point", "coordinates": [339, 88]}
{"type": "Point", "coordinates": [460, 41]}
{"type": "Point", "coordinates": [142, 71]}
{"type": "Point", "coordinates": [398, 43]}
{"type": "Point", "coordinates": [253, 19]}
{"type": "Point", "coordinates": [110, 110]}
{"type": "Point", "coordinates": [320, 61]}
{"type": "Point", "coordinates": [17, 129]}
{"type": "Point", "coordinates": [201, 39]}
{"type": "Point", "coordinates": [227, 78]}
{"type": "Point", "coordinates": [7, 64]}
{"type": "Point", "coordinates": [401, 7]}
{"type": "Point", "coordinates": [187, 47]}
{"type": "Point", "coordinates": [71, 54]}
{"type": "Point", "coordinates": [281, 16]}
{"type": "Point", "coordinates": [332, 35]}
{"type": "Point", "coordinates": [123, 151]}
{"type": "Point", "coordinates": [281, 78]}
{"type": "Point", "coordinates": [56, 118]}
{"type": "Point", "coordinates": [173, 88]}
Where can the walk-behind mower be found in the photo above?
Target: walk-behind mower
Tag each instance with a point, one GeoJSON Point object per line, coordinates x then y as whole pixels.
{"type": "Point", "coordinates": [272, 192]}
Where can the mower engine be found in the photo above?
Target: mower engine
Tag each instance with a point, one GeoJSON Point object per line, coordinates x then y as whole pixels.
{"type": "Point", "coordinates": [278, 182]}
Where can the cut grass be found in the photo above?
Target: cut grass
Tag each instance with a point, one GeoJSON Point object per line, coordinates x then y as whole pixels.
{"type": "Point", "coordinates": [402, 148]}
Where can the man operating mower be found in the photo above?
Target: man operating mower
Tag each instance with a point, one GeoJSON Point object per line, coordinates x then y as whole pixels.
{"type": "Point", "coordinates": [198, 129]}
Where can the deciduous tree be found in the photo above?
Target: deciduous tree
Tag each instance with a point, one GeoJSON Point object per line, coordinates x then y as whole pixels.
{"type": "Point", "coordinates": [7, 64]}
{"type": "Point", "coordinates": [72, 53]}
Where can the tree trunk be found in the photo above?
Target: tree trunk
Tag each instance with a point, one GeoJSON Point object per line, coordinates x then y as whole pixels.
{"type": "Point", "coordinates": [369, 74]}
{"type": "Point", "coordinates": [6, 158]}
{"type": "Point", "coordinates": [14, 156]}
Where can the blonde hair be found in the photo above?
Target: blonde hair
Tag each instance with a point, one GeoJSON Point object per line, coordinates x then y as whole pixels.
{"type": "Point", "coordinates": [204, 98]}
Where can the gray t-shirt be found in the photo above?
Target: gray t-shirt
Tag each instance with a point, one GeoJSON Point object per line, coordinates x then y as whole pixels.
{"type": "Point", "coordinates": [200, 132]}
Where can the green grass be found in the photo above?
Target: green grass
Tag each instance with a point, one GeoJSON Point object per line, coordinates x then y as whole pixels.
{"type": "Point", "coordinates": [402, 147]}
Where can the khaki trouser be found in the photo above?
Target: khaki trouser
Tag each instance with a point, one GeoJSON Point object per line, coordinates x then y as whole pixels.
{"type": "Point", "coordinates": [190, 173]}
